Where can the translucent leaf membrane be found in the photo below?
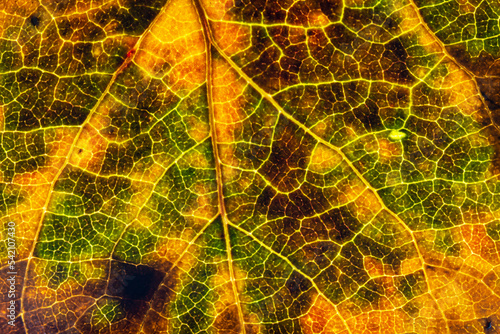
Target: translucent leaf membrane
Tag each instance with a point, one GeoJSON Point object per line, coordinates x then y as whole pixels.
{"type": "Point", "coordinates": [196, 166]}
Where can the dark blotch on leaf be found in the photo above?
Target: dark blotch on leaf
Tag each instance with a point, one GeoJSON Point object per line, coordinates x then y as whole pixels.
{"type": "Point", "coordinates": [34, 20]}
{"type": "Point", "coordinates": [489, 324]}
{"type": "Point", "coordinates": [128, 281]}
{"type": "Point", "coordinates": [394, 63]}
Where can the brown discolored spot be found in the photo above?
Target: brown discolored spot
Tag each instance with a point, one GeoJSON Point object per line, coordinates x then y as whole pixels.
{"type": "Point", "coordinates": [369, 115]}
{"type": "Point", "coordinates": [5, 297]}
{"type": "Point", "coordinates": [341, 224]}
{"type": "Point", "coordinates": [314, 13]}
{"type": "Point", "coordinates": [252, 329]}
{"type": "Point", "coordinates": [289, 157]}
{"type": "Point", "coordinates": [480, 65]}
{"type": "Point", "coordinates": [490, 90]}
{"type": "Point", "coordinates": [493, 133]}
{"type": "Point", "coordinates": [155, 323]}
{"type": "Point", "coordinates": [394, 63]}
{"type": "Point", "coordinates": [228, 321]}
{"type": "Point", "coordinates": [297, 284]}
{"type": "Point", "coordinates": [95, 287]}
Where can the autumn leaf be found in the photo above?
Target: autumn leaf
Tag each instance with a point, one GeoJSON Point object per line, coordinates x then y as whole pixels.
{"type": "Point", "coordinates": [209, 166]}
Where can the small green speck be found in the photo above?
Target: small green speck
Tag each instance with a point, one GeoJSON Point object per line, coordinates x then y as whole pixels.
{"type": "Point", "coordinates": [396, 135]}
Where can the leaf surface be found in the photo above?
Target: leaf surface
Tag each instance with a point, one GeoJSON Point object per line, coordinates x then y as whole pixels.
{"type": "Point", "coordinates": [208, 166]}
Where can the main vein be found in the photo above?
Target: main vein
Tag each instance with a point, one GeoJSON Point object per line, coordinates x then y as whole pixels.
{"type": "Point", "coordinates": [218, 169]}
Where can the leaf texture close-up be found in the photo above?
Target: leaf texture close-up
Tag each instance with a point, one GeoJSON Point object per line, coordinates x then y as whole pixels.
{"type": "Point", "coordinates": [249, 166]}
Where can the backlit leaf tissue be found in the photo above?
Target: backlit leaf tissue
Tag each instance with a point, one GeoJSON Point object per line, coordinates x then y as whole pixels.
{"type": "Point", "coordinates": [250, 166]}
